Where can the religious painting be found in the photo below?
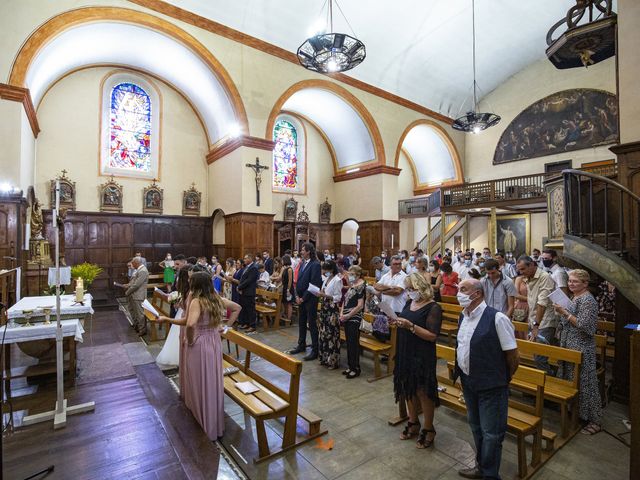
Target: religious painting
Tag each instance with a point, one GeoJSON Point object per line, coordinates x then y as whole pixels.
{"type": "Point", "coordinates": [303, 217]}
{"type": "Point", "coordinates": [457, 243]}
{"type": "Point", "coordinates": [191, 200]}
{"type": "Point", "coordinates": [555, 207]}
{"type": "Point", "coordinates": [288, 152]}
{"type": "Point", "coordinates": [153, 199]}
{"type": "Point", "coordinates": [110, 196]}
{"type": "Point", "coordinates": [325, 211]}
{"type": "Point", "coordinates": [565, 121]}
{"type": "Point", "coordinates": [130, 144]}
{"type": "Point", "coordinates": [513, 234]}
{"type": "Point", "coordinates": [67, 192]}
{"type": "Point", "coordinates": [290, 210]}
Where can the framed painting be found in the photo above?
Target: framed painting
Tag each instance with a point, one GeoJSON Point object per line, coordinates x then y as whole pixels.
{"type": "Point", "coordinates": [191, 200]}
{"type": "Point", "coordinates": [513, 234]}
{"type": "Point", "coordinates": [110, 196]}
{"type": "Point", "coordinates": [290, 210]}
{"type": "Point", "coordinates": [67, 192]}
{"type": "Point", "coordinates": [153, 199]}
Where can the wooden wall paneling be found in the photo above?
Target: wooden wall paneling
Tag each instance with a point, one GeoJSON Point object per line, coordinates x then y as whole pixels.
{"type": "Point", "coordinates": [13, 210]}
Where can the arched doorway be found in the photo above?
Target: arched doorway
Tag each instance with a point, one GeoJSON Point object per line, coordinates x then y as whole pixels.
{"type": "Point", "coordinates": [218, 235]}
{"type": "Point", "coordinates": [349, 238]}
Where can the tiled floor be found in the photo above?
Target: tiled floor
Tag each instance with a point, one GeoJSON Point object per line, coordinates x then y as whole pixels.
{"type": "Point", "coordinates": [365, 447]}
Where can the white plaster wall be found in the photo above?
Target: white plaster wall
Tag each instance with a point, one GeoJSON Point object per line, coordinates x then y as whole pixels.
{"type": "Point", "coordinates": [478, 233]}
{"type": "Point", "coordinates": [27, 152]}
{"type": "Point", "coordinates": [517, 93]}
{"type": "Point", "coordinates": [629, 67]}
{"type": "Point", "coordinates": [69, 117]}
{"type": "Point", "coordinates": [320, 184]}
{"type": "Point", "coordinates": [10, 141]}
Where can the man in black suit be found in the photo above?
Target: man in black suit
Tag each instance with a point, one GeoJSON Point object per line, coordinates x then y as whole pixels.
{"type": "Point", "coordinates": [247, 291]}
{"type": "Point", "coordinates": [268, 262]}
{"type": "Point", "coordinates": [309, 273]}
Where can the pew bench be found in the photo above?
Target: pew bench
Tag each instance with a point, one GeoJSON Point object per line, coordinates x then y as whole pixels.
{"type": "Point", "coordinates": [270, 401]}
{"type": "Point", "coordinates": [523, 419]}
{"type": "Point", "coordinates": [162, 305]}
{"type": "Point", "coordinates": [452, 299]}
{"type": "Point", "coordinates": [608, 329]}
{"type": "Point", "coordinates": [450, 316]}
{"type": "Point", "coordinates": [268, 308]}
{"type": "Point", "coordinates": [557, 390]}
{"type": "Point", "coordinates": [156, 280]}
{"type": "Point", "coordinates": [371, 344]}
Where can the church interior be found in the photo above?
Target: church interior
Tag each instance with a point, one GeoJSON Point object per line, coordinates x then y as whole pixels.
{"type": "Point", "coordinates": [224, 137]}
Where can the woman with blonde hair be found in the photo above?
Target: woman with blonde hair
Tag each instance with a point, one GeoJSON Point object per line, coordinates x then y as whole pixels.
{"type": "Point", "coordinates": [202, 382]}
{"type": "Point", "coordinates": [414, 374]}
{"type": "Point", "coordinates": [577, 329]}
{"type": "Point", "coordinates": [350, 317]}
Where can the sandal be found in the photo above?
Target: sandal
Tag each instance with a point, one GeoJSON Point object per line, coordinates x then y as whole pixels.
{"type": "Point", "coordinates": [409, 432]}
{"type": "Point", "coordinates": [591, 429]}
{"type": "Point", "coordinates": [423, 441]}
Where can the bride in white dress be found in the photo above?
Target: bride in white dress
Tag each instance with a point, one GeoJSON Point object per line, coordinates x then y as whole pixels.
{"type": "Point", "coordinates": [170, 354]}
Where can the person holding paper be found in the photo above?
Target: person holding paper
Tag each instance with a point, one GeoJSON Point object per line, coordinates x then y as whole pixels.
{"type": "Point", "coordinates": [577, 328]}
{"type": "Point", "coordinates": [308, 274]}
{"type": "Point", "coordinates": [414, 374]}
{"type": "Point", "coordinates": [136, 293]}
{"type": "Point", "coordinates": [350, 317]}
{"type": "Point", "coordinates": [329, 324]}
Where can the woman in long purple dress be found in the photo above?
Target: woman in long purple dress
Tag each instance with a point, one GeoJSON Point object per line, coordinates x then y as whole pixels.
{"type": "Point", "coordinates": [202, 379]}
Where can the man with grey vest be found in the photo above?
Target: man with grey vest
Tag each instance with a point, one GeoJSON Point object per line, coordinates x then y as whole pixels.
{"type": "Point", "coordinates": [486, 358]}
{"type": "Point", "coordinates": [136, 292]}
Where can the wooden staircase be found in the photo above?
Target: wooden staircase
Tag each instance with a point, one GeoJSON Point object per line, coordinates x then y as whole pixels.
{"type": "Point", "coordinates": [453, 224]}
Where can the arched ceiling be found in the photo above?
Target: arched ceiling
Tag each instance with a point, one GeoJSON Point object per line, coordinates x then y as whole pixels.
{"type": "Point", "coordinates": [432, 154]}
{"type": "Point", "coordinates": [417, 49]}
{"type": "Point", "coordinates": [339, 121]}
{"type": "Point", "coordinates": [110, 42]}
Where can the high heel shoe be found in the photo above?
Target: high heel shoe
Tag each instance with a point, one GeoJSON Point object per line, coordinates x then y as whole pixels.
{"type": "Point", "coordinates": [409, 431]}
{"type": "Point", "coordinates": [423, 441]}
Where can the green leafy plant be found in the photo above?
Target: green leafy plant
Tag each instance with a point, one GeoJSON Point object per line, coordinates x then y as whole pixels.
{"type": "Point", "coordinates": [51, 290]}
{"type": "Point", "coordinates": [87, 271]}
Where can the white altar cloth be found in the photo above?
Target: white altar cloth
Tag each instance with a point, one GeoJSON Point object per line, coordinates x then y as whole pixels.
{"type": "Point", "coordinates": [40, 331]}
{"type": "Point", "coordinates": [68, 307]}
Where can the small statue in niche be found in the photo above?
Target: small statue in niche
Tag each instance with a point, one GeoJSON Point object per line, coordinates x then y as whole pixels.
{"type": "Point", "coordinates": [37, 224]}
{"type": "Point", "coordinates": [325, 211]}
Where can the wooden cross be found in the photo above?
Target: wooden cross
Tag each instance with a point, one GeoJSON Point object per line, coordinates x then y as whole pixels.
{"type": "Point", "coordinates": [257, 168]}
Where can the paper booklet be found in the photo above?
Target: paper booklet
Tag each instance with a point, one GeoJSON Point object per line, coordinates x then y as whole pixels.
{"type": "Point", "coordinates": [313, 289]}
{"type": "Point", "coordinates": [247, 387]}
{"type": "Point", "coordinates": [149, 308]}
{"type": "Point", "coordinates": [160, 292]}
{"type": "Point", "coordinates": [387, 310]}
{"type": "Point", "coordinates": [560, 298]}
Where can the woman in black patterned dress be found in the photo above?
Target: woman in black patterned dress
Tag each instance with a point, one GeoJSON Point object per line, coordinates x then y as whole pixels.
{"type": "Point", "coordinates": [328, 323]}
{"type": "Point", "coordinates": [414, 374]}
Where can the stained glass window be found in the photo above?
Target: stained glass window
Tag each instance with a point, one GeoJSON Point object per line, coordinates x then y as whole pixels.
{"type": "Point", "coordinates": [285, 156]}
{"type": "Point", "coordinates": [130, 128]}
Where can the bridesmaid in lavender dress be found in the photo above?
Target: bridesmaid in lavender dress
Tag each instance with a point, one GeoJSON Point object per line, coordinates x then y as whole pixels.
{"type": "Point", "coordinates": [203, 385]}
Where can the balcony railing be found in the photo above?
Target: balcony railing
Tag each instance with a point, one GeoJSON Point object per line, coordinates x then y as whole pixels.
{"type": "Point", "coordinates": [419, 207]}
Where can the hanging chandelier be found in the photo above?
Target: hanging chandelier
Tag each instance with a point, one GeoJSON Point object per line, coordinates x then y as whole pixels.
{"type": "Point", "coordinates": [584, 45]}
{"type": "Point", "coordinates": [331, 52]}
{"type": "Point", "coordinates": [475, 121]}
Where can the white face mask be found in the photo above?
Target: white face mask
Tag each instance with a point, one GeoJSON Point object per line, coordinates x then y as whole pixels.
{"type": "Point", "coordinates": [414, 296]}
{"type": "Point", "coordinates": [327, 274]}
{"type": "Point", "coordinates": [431, 269]}
{"type": "Point", "coordinates": [352, 279]}
{"type": "Point", "coordinates": [463, 299]}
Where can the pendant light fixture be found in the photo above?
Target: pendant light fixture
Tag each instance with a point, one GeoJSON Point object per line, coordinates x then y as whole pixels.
{"type": "Point", "coordinates": [331, 52]}
{"type": "Point", "coordinates": [475, 121]}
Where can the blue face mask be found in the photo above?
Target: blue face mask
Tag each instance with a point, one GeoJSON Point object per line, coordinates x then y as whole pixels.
{"type": "Point", "coordinates": [467, 263]}
{"type": "Point", "coordinates": [412, 258]}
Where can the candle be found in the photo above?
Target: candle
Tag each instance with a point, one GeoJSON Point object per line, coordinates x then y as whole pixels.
{"type": "Point", "coordinates": [79, 290]}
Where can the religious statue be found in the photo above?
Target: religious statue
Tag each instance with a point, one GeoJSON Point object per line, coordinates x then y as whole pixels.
{"type": "Point", "coordinates": [325, 211]}
{"type": "Point", "coordinates": [37, 224]}
{"type": "Point", "coordinates": [257, 168]}
{"type": "Point", "coordinates": [62, 216]}
{"type": "Point", "coordinates": [510, 241]}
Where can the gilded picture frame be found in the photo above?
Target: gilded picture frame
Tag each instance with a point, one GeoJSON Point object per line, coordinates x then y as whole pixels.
{"type": "Point", "coordinates": [191, 200]}
{"type": "Point", "coordinates": [153, 199]}
{"type": "Point", "coordinates": [111, 196]}
{"type": "Point", "coordinates": [67, 192]}
{"type": "Point", "coordinates": [513, 233]}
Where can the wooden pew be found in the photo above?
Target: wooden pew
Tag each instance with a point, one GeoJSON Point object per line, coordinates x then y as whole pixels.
{"type": "Point", "coordinates": [450, 299]}
{"type": "Point", "coordinates": [608, 330]}
{"type": "Point", "coordinates": [269, 307]}
{"type": "Point", "coordinates": [370, 280]}
{"type": "Point", "coordinates": [557, 390]}
{"type": "Point", "coordinates": [156, 280]}
{"type": "Point", "coordinates": [162, 305]}
{"type": "Point", "coordinates": [371, 344]}
{"type": "Point", "coordinates": [270, 401]}
{"type": "Point", "coordinates": [450, 317]}
{"type": "Point", "coordinates": [601, 358]}
{"type": "Point", "coordinates": [523, 419]}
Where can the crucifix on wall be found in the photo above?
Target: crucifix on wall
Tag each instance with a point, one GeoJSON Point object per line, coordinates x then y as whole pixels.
{"type": "Point", "coordinates": [257, 168]}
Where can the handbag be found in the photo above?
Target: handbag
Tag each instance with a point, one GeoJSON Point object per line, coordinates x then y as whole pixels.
{"type": "Point", "coordinates": [520, 314]}
{"type": "Point", "coordinates": [365, 326]}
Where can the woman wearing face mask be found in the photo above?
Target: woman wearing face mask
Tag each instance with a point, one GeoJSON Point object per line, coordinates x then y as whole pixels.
{"type": "Point", "coordinates": [414, 374]}
{"type": "Point", "coordinates": [169, 273]}
{"type": "Point", "coordinates": [436, 279]}
{"type": "Point", "coordinates": [350, 317]}
{"type": "Point", "coordinates": [328, 323]}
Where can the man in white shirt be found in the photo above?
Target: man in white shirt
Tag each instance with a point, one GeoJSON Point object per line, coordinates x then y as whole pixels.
{"type": "Point", "coordinates": [558, 274]}
{"type": "Point", "coordinates": [465, 266]}
{"type": "Point", "coordinates": [380, 267]}
{"type": "Point", "coordinates": [486, 359]}
{"type": "Point", "coordinates": [391, 285]}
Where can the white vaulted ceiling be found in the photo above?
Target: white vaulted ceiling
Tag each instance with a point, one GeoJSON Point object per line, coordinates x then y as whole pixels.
{"type": "Point", "coordinates": [418, 49]}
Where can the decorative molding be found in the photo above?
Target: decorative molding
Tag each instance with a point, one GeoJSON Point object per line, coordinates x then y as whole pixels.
{"type": "Point", "coordinates": [212, 26]}
{"type": "Point", "coordinates": [367, 172]}
{"type": "Point", "coordinates": [22, 95]}
{"type": "Point", "coordinates": [85, 15]}
{"type": "Point", "coordinates": [228, 145]}
{"type": "Point", "coordinates": [623, 148]}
